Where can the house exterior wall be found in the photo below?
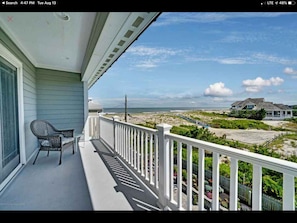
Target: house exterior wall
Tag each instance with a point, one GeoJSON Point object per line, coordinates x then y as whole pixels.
{"type": "Point", "coordinates": [29, 93]}
{"type": "Point", "coordinates": [47, 94]}
{"type": "Point", "coordinates": [278, 115]}
{"type": "Point", "coordinates": [60, 99]}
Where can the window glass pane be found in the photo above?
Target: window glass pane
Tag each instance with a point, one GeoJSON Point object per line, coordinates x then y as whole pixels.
{"type": "Point", "coordinates": [9, 136]}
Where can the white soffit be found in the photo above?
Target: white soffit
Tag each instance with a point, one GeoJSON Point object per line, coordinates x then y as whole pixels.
{"type": "Point", "coordinates": [47, 41]}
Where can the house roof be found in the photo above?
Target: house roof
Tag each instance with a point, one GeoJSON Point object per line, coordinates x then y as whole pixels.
{"type": "Point", "coordinates": [248, 101]}
{"type": "Point", "coordinates": [283, 107]}
{"type": "Point", "coordinates": [236, 103]}
{"type": "Point", "coordinates": [255, 100]}
{"type": "Point", "coordinates": [267, 106]}
{"type": "Point", "coordinates": [260, 103]}
{"type": "Point", "coordinates": [82, 42]}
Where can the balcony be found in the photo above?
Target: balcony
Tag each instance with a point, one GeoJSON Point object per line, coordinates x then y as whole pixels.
{"type": "Point", "coordinates": [121, 166]}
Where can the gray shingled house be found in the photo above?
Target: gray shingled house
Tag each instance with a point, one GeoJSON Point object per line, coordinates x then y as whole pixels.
{"type": "Point", "coordinates": [273, 111]}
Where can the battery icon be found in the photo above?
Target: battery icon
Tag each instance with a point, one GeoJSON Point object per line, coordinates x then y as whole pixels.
{"type": "Point", "coordinates": [291, 3]}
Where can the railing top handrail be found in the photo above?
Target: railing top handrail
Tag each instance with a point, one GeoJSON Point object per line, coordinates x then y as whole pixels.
{"type": "Point", "coordinates": [149, 130]}
{"type": "Point", "coordinates": [280, 165]}
{"type": "Point", "coordinates": [104, 117]}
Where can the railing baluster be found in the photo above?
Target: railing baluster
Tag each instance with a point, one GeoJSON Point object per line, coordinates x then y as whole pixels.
{"type": "Point", "coordinates": [138, 150]}
{"type": "Point", "coordinates": [156, 161]}
{"type": "Point", "coordinates": [129, 145]}
{"type": "Point", "coordinates": [288, 192]}
{"type": "Point", "coordinates": [151, 158]}
{"type": "Point", "coordinates": [179, 176]}
{"type": "Point", "coordinates": [125, 142]}
{"type": "Point", "coordinates": [257, 188]}
{"type": "Point", "coordinates": [142, 153]}
{"type": "Point", "coordinates": [233, 184]}
{"type": "Point", "coordinates": [121, 141]}
{"type": "Point", "coordinates": [171, 170]}
{"type": "Point", "coordinates": [146, 156]}
{"type": "Point", "coordinates": [134, 149]}
{"type": "Point", "coordinates": [118, 139]}
{"type": "Point", "coordinates": [201, 178]}
{"type": "Point", "coordinates": [215, 181]}
{"type": "Point", "coordinates": [189, 177]}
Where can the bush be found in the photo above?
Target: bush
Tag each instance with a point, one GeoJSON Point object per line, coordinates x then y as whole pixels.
{"type": "Point", "coordinates": [249, 114]}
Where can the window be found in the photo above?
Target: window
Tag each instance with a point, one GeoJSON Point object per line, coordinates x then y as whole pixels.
{"type": "Point", "coordinates": [9, 124]}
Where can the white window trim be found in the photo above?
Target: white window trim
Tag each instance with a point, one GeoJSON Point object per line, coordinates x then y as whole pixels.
{"type": "Point", "coordinates": [7, 55]}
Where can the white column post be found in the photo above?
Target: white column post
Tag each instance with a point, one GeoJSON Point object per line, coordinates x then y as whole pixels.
{"type": "Point", "coordinates": [86, 130]}
{"type": "Point", "coordinates": [164, 163]}
{"type": "Point", "coordinates": [114, 119]}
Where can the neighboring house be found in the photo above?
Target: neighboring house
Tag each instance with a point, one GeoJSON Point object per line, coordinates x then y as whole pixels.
{"type": "Point", "coordinates": [94, 107]}
{"type": "Point", "coordinates": [48, 62]}
{"type": "Point", "coordinates": [273, 111]}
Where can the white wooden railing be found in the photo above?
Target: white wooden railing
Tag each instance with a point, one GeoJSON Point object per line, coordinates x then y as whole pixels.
{"type": "Point", "coordinates": [149, 153]}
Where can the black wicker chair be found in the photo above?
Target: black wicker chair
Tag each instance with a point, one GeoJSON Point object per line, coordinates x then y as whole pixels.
{"type": "Point", "coordinates": [50, 138]}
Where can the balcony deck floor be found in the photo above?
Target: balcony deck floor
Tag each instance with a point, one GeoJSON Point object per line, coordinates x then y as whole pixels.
{"type": "Point", "coordinates": [49, 186]}
{"type": "Point", "coordinates": [92, 179]}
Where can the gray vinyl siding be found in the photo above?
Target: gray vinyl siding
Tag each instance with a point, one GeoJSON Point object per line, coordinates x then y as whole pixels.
{"type": "Point", "coordinates": [30, 111]}
{"type": "Point", "coordinates": [60, 99]}
{"type": "Point", "coordinates": [29, 93]}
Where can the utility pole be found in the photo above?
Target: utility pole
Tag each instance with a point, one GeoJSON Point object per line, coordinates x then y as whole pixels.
{"type": "Point", "coordinates": [126, 108]}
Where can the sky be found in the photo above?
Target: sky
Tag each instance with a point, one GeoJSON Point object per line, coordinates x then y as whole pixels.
{"type": "Point", "coordinates": [205, 59]}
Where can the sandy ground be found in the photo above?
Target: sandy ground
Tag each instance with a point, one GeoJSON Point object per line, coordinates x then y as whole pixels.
{"type": "Point", "coordinates": [250, 136]}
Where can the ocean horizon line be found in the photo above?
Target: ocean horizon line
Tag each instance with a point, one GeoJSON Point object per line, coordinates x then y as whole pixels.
{"type": "Point", "coordinates": [158, 109]}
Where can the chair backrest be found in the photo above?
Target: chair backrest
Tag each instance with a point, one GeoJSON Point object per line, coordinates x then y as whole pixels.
{"type": "Point", "coordinates": [42, 128]}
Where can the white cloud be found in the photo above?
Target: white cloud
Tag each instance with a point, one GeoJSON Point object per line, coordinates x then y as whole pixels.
{"type": "Point", "coordinates": [217, 90]}
{"type": "Point", "coordinates": [290, 71]}
{"type": "Point", "coordinates": [256, 85]}
{"type": "Point", "coordinates": [273, 59]}
{"type": "Point", "coordinates": [232, 61]}
{"type": "Point", "coordinates": [205, 17]}
{"type": "Point", "coordinates": [147, 64]}
{"type": "Point", "coordinates": [150, 51]}
{"type": "Point", "coordinates": [229, 60]}
{"type": "Point", "coordinates": [150, 57]}
{"type": "Point", "coordinates": [255, 58]}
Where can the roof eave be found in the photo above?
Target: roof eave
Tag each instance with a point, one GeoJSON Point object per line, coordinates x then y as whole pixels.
{"type": "Point", "coordinates": [118, 32]}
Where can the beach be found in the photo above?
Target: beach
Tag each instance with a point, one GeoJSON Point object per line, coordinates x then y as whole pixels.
{"type": "Point", "coordinates": [248, 136]}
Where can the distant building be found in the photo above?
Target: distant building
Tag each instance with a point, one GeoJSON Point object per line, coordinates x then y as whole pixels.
{"type": "Point", "coordinates": [94, 107]}
{"type": "Point", "coordinates": [273, 111]}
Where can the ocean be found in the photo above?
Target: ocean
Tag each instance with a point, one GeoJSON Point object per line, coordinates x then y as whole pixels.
{"type": "Point", "coordinates": [160, 109]}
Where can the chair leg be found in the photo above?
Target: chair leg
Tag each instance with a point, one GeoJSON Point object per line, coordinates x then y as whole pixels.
{"type": "Point", "coordinates": [36, 157]}
{"type": "Point", "coordinates": [60, 157]}
{"type": "Point", "coordinates": [73, 148]}
{"type": "Point", "coordinates": [48, 153]}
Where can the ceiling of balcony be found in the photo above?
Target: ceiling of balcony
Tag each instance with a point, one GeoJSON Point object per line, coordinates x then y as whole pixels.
{"type": "Point", "coordinates": [60, 41]}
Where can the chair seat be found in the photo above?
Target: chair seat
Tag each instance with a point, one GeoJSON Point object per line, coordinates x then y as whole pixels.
{"type": "Point", "coordinates": [65, 140]}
